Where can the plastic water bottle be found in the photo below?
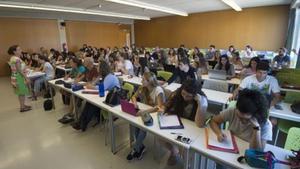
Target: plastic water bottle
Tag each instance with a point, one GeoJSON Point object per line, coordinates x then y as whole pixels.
{"type": "Point", "coordinates": [101, 89]}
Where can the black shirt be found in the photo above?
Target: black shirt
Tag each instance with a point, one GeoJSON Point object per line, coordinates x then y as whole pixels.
{"type": "Point", "coordinates": [182, 76]}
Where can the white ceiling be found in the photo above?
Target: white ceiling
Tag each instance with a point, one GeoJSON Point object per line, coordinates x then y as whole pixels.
{"type": "Point", "coordinates": [189, 6]}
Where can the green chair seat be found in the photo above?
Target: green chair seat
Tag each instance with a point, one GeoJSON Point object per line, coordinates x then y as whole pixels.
{"type": "Point", "coordinates": [164, 74]}
{"type": "Point", "coordinates": [293, 139]}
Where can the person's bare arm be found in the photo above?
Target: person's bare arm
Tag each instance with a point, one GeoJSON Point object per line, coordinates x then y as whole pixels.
{"type": "Point", "coordinates": [276, 99]}
{"type": "Point", "coordinates": [200, 114]}
{"type": "Point", "coordinates": [215, 126]}
{"type": "Point", "coordinates": [256, 142]}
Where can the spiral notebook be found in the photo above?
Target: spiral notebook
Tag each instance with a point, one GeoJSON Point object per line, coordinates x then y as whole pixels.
{"type": "Point", "coordinates": [228, 145]}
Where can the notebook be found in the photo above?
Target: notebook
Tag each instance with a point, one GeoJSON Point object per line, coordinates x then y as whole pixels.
{"type": "Point", "coordinates": [229, 145]}
{"type": "Point", "coordinates": [128, 107]}
{"type": "Point", "coordinates": [169, 122]}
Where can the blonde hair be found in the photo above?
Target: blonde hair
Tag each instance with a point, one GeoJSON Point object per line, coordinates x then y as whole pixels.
{"type": "Point", "coordinates": [145, 93]}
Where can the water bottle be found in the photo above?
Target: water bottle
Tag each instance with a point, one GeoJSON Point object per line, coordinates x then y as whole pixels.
{"type": "Point", "coordinates": [101, 89]}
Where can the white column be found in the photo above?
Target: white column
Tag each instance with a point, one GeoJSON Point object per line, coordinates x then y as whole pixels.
{"type": "Point", "coordinates": [132, 34]}
{"type": "Point", "coordinates": [62, 32]}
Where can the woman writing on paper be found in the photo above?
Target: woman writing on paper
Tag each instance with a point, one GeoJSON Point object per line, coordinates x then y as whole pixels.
{"type": "Point", "coordinates": [187, 102]}
{"type": "Point", "coordinates": [248, 121]}
{"type": "Point", "coordinates": [151, 94]}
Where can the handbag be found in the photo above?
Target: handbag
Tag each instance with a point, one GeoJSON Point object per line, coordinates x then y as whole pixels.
{"type": "Point", "coordinates": [259, 159]}
{"type": "Point", "coordinates": [296, 107]}
{"type": "Point", "coordinates": [115, 95]}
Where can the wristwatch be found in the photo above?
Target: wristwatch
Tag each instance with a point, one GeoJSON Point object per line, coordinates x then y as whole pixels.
{"type": "Point", "coordinates": [256, 128]}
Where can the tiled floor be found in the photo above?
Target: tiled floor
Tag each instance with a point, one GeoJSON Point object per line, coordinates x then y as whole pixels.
{"type": "Point", "coordinates": [35, 140]}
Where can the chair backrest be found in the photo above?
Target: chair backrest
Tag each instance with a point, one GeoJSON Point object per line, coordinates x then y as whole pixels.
{"type": "Point", "coordinates": [130, 89]}
{"type": "Point", "coordinates": [291, 97]}
{"type": "Point", "coordinates": [164, 74]}
{"type": "Point", "coordinates": [216, 85]}
{"type": "Point", "coordinates": [293, 139]}
{"type": "Point", "coordinates": [289, 76]}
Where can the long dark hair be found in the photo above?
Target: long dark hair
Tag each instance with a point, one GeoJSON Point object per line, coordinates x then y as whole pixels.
{"type": "Point", "coordinates": [256, 59]}
{"type": "Point", "coordinates": [227, 65]}
{"type": "Point", "coordinates": [176, 104]}
{"type": "Point", "coordinates": [255, 103]}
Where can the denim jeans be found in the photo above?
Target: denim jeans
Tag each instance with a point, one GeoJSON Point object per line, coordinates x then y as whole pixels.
{"type": "Point", "coordinates": [139, 136]}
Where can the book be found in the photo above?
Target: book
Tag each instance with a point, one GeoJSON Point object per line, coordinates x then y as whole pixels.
{"type": "Point", "coordinates": [88, 91]}
{"type": "Point", "coordinates": [228, 145]}
{"type": "Point", "coordinates": [169, 122]}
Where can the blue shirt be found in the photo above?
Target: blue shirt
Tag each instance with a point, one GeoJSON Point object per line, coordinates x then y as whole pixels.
{"type": "Point", "coordinates": [111, 81]}
{"type": "Point", "coordinates": [281, 60]}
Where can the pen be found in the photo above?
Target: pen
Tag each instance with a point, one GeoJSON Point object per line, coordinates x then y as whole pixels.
{"type": "Point", "coordinates": [176, 133]}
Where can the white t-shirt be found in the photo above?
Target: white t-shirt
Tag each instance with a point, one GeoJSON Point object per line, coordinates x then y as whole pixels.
{"type": "Point", "coordinates": [267, 86]}
{"type": "Point", "coordinates": [129, 67]}
{"type": "Point", "coordinates": [155, 92]}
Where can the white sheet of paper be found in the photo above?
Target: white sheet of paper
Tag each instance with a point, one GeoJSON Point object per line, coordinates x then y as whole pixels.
{"type": "Point", "coordinates": [173, 86]}
{"type": "Point", "coordinates": [213, 140]}
{"type": "Point", "coordinates": [169, 120]}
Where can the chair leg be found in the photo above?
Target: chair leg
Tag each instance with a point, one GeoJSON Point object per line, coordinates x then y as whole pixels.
{"type": "Point", "coordinates": [276, 138]}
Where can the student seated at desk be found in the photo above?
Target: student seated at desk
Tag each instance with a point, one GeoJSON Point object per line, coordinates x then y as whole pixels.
{"type": "Point", "coordinates": [251, 68]}
{"type": "Point", "coordinates": [110, 81]}
{"type": "Point", "coordinates": [225, 65]}
{"type": "Point", "coordinates": [187, 102]}
{"type": "Point", "coordinates": [211, 53]}
{"type": "Point", "coordinates": [231, 51]}
{"type": "Point", "coordinates": [248, 121]}
{"type": "Point", "coordinates": [236, 61]}
{"type": "Point", "coordinates": [151, 94]}
{"type": "Point", "coordinates": [172, 57]}
{"type": "Point", "coordinates": [247, 54]}
{"type": "Point", "coordinates": [183, 72]}
{"type": "Point", "coordinates": [77, 73]}
{"type": "Point", "coordinates": [262, 82]}
{"type": "Point", "coordinates": [201, 65]}
{"type": "Point", "coordinates": [282, 60]}
{"type": "Point", "coordinates": [48, 70]}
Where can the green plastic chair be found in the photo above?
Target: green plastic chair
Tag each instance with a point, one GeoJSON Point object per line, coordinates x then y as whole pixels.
{"type": "Point", "coordinates": [130, 88]}
{"type": "Point", "coordinates": [285, 125]}
{"type": "Point", "coordinates": [293, 139]}
{"type": "Point", "coordinates": [289, 76]}
{"type": "Point", "coordinates": [164, 74]}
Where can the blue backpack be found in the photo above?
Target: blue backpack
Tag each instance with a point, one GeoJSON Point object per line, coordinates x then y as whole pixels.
{"type": "Point", "coordinates": [260, 159]}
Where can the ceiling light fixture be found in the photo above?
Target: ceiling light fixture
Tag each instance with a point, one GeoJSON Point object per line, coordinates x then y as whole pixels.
{"type": "Point", "coordinates": [149, 6]}
{"type": "Point", "coordinates": [69, 10]}
{"type": "Point", "coordinates": [232, 4]}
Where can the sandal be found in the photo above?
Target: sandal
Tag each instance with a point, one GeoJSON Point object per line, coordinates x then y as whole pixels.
{"type": "Point", "coordinates": [25, 109]}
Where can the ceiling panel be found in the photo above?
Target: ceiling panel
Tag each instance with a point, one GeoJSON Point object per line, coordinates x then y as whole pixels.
{"type": "Point", "coordinates": [189, 6]}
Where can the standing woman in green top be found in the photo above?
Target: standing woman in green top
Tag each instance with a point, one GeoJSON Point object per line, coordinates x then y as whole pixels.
{"type": "Point", "coordinates": [19, 80]}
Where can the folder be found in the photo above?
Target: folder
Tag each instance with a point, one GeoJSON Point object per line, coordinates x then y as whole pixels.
{"type": "Point", "coordinates": [212, 142]}
{"type": "Point", "coordinates": [169, 122]}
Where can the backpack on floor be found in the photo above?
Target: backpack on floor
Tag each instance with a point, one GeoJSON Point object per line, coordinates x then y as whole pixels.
{"type": "Point", "coordinates": [48, 105]}
{"type": "Point", "coordinates": [260, 159]}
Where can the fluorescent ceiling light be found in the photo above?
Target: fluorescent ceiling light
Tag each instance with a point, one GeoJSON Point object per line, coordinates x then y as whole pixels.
{"type": "Point", "coordinates": [232, 4]}
{"type": "Point", "coordinates": [69, 10]}
{"type": "Point", "coordinates": [149, 6]}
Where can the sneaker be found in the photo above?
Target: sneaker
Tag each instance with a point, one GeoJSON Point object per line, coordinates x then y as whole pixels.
{"type": "Point", "coordinates": [173, 159]}
{"type": "Point", "coordinates": [66, 120]}
{"type": "Point", "coordinates": [131, 155]}
{"type": "Point", "coordinates": [141, 153]}
{"type": "Point", "coordinates": [76, 126]}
